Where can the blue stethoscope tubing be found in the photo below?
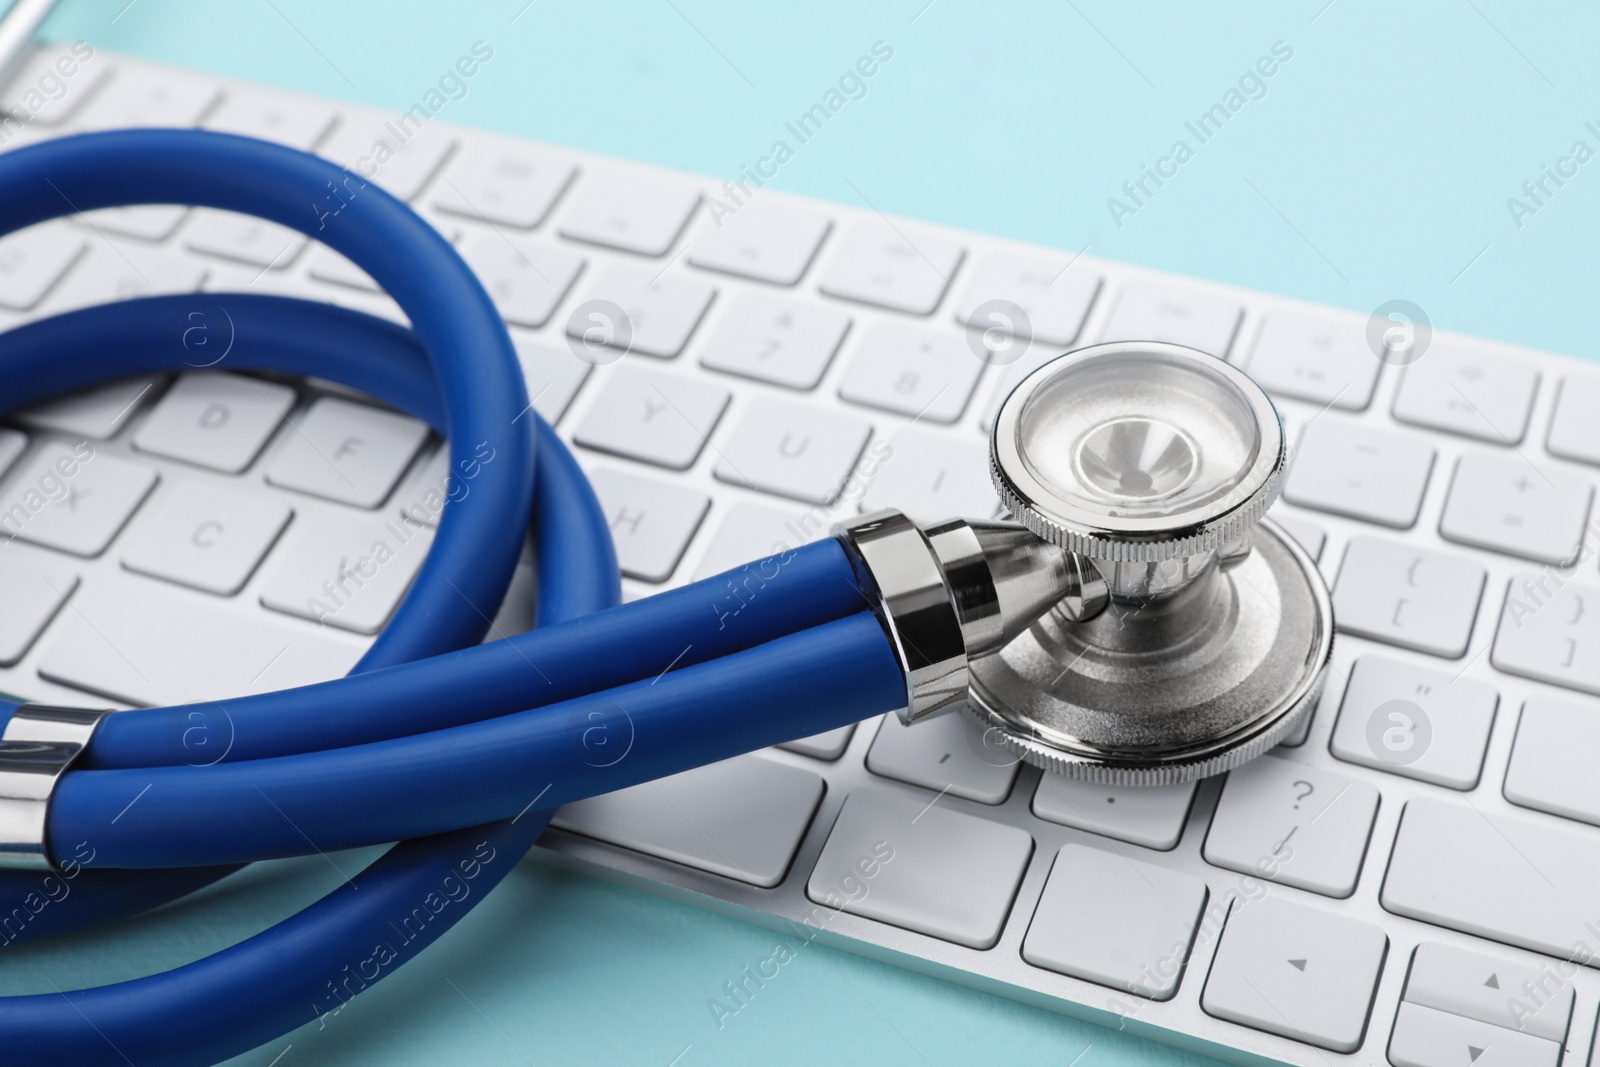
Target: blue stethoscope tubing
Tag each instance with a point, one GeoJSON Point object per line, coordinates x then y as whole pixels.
{"type": "Point", "coordinates": [432, 740]}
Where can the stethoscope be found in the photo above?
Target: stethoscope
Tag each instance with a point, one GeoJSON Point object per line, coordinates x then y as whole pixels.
{"type": "Point", "coordinates": [1139, 622]}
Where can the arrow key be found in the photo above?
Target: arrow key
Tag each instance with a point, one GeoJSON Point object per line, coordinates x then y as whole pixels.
{"type": "Point", "coordinates": [1426, 1037]}
{"type": "Point", "coordinates": [1297, 972]}
{"type": "Point", "coordinates": [1490, 990]}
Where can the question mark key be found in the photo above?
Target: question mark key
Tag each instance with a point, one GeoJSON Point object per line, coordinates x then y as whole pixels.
{"type": "Point", "coordinates": [1282, 821]}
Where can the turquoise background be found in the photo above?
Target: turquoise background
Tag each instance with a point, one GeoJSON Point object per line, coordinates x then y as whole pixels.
{"type": "Point", "coordinates": [1377, 166]}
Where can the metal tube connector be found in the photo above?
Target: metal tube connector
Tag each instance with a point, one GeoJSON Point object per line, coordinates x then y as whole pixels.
{"type": "Point", "coordinates": [39, 743]}
{"type": "Point", "coordinates": [960, 590]}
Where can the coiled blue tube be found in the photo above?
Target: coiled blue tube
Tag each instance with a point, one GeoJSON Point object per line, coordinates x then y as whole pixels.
{"type": "Point", "coordinates": [463, 333]}
{"type": "Point", "coordinates": [741, 690]}
{"type": "Point", "coordinates": [163, 1014]}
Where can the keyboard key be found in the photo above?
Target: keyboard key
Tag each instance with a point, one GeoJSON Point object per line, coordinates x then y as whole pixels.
{"type": "Point", "coordinates": [1489, 989]}
{"type": "Point", "coordinates": [72, 499]}
{"type": "Point", "coordinates": [329, 266]}
{"type": "Point", "coordinates": [1296, 972]}
{"type": "Point", "coordinates": [82, 72]}
{"type": "Point", "coordinates": [15, 134]}
{"type": "Point", "coordinates": [1148, 311]}
{"type": "Point", "coordinates": [351, 453]}
{"type": "Point", "coordinates": [347, 571]}
{"type": "Point", "coordinates": [526, 280]}
{"type": "Point", "coordinates": [774, 340]}
{"type": "Point", "coordinates": [1054, 294]}
{"type": "Point", "coordinates": [98, 413]}
{"type": "Point", "coordinates": [502, 182]}
{"type": "Point", "coordinates": [233, 278]}
{"type": "Point", "coordinates": [751, 532]}
{"type": "Point", "coordinates": [518, 609]}
{"type": "Point", "coordinates": [432, 484]}
{"type": "Point", "coordinates": [686, 818]}
{"type": "Point", "coordinates": [927, 374]}
{"type": "Point", "coordinates": [1412, 721]}
{"type": "Point", "coordinates": [1523, 882]}
{"type": "Point", "coordinates": [553, 375]}
{"type": "Point", "coordinates": [1405, 596]}
{"type": "Point", "coordinates": [1349, 468]}
{"type": "Point", "coordinates": [1552, 764]}
{"type": "Point", "coordinates": [1141, 922]}
{"type": "Point", "coordinates": [948, 753]}
{"type": "Point", "coordinates": [1152, 816]}
{"type": "Point", "coordinates": [1290, 823]}
{"type": "Point", "coordinates": [1468, 389]}
{"type": "Point", "coordinates": [1315, 356]}
{"type": "Point", "coordinates": [1550, 631]}
{"type": "Point", "coordinates": [243, 239]}
{"type": "Point", "coordinates": [204, 536]}
{"type": "Point", "coordinates": [932, 477]}
{"type": "Point", "coordinates": [661, 419]}
{"type": "Point", "coordinates": [1309, 536]}
{"type": "Point", "coordinates": [794, 451]}
{"type": "Point", "coordinates": [146, 222]}
{"type": "Point", "coordinates": [1011, 375]}
{"type": "Point", "coordinates": [390, 150]}
{"type": "Point", "coordinates": [1424, 1037]}
{"type": "Point", "coordinates": [651, 523]}
{"type": "Point", "coordinates": [828, 745]}
{"type": "Point", "coordinates": [149, 656]}
{"type": "Point", "coordinates": [33, 261]}
{"type": "Point", "coordinates": [1505, 504]}
{"type": "Point", "coordinates": [935, 871]}
{"type": "Point", "coordinates": [35, 590]}
{"type": "Point", "coordinates": [108, 274]}
{"type": "Point", "coordinates": [901, 268]}
{"type": "Point", "coordinates": [1575, 427]}
{"type": "Point", "coordinates": [660, 310]}
{"type": "Point", "coordinates": [425, 493]}
{"type": "Point", "coordinates": [145, 96]}
{"type": "Point", "coordinates": [215, 420]}
{"type": "Point", "coordinates": [765, 239]}
{"type": "Point", "coordinates": [296, 121]}
{"type": "Point", "coordinates": [631, 212]}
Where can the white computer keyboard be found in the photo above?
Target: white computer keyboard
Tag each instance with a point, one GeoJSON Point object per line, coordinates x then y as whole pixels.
{"type": "Point", "coordinates": [1416, 880]}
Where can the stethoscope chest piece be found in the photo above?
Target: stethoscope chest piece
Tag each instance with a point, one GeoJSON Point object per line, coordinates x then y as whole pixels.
{"type": "Point", "coordinates": [1211, 636]}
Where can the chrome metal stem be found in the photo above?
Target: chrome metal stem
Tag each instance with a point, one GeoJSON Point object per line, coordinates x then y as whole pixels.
{"type": "Point", "coordinates": [959, 590]}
